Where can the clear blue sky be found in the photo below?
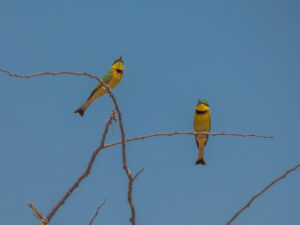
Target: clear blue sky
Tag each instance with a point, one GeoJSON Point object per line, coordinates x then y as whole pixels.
{"type": "Point", "coordinates": [243, 57]}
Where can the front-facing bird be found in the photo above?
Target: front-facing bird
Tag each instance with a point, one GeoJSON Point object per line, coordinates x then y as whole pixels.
{"type": "Point", "coordinates": [112, 79]}
{"type": "Point", "coordinates": [201, 124]}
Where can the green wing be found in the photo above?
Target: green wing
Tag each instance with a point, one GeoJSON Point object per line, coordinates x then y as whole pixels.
{"type": "Point", "coordinates": [106, 77]}
{"type": "Point", "coordinates": [208, 130]}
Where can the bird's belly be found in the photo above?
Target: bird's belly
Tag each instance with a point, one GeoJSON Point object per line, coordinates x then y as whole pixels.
{"type": "Point", "coordinates": [202, 123]}
{"type": "Point", "coordinates": [201, 127]}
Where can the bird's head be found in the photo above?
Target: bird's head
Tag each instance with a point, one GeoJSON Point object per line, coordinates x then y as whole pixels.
{"type": "Point", "coordinates": [118, 65]}
{"type": "Point", "coordinates": [202, 107]}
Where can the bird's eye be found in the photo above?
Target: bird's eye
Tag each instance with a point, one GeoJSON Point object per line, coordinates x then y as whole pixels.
{"type": "Point", "coordinates": [119, 71]}
{"type": "Point", "coordinates": [201, 112]}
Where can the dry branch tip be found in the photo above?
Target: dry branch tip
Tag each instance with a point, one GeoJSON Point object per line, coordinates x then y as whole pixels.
{"type": "Point", "coordinates": [97, 211]}
{"type": "Point", "coordinates": [38, 215]}
{"type": "Point", "coordinates": [138, 173]}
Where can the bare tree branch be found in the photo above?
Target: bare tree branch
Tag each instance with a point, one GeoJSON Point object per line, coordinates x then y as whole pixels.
{"type": "Point", "coordinates": [125, 167]}
{"type": "Point", "coordinates": [261, 192]}
{"type": "Point", "coordinates": [87, 170]}
{"type": "Point", "coordinates": [61, 73]}
{"type": "Point", "coordinates": [131, 178]}
{"type": "Point", "coordinates": [97, 211]}
{"type": "Point", "coordinates": [49, 73]}
{"type": "Point", "coordinates": [184, 133]}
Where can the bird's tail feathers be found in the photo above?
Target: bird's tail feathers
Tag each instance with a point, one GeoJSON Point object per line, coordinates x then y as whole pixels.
{"type": "Point", "coordinates": [200, 161]}
{"type": "Point", "coordinates": [81, 110]}
{"type": "Point", "coordinates": [200, 158]}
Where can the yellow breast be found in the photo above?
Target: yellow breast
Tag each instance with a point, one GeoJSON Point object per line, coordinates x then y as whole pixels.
{"type": "Point", "coordinates": [202, 122]}
{"type": "Point", "coordinates": [115, 80]}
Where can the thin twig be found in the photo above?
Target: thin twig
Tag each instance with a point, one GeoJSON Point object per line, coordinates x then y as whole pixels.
{"type": "Point", "coordinates": [184, 133]}
{"type": "Point", "coordinates": [261, 192]}
{"type": "Point", "coordinates": [138, 173]}
{"type": "Point", "coordinates": [97, 211]}
{"type": "Point", "coordinates": [48, 73]}
{"type": "Point", "coordinates": [38, 215]}
{"type": "Point", "coordinates": [86, 172]}
{"type": "Point", "coordinates": [59, 73]}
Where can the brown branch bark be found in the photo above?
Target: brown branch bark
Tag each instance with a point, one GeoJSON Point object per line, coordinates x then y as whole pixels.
{"type": "Point", "coordinates": [184, 133]}
{"type": "Point", "coordinates": [261, 192]}
{"type": "Point", "coordinates": [86, 172]}
{"type": "Point", "coordinates": [96, 213]}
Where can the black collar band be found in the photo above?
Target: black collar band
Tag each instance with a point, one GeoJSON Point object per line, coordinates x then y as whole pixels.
{"type": "Point", "coordinates": [201, 112]}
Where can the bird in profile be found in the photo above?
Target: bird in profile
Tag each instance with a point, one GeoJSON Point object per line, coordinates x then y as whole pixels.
{"type": "Point", "coordinates": [112, 79]}
{"type": "Point", "coordinates": [201, 124]}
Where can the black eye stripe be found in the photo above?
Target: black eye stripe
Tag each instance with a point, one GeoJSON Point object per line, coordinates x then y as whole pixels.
{"type": "Point", "coordinates": [201, 112]}
{"type": "Point", "coordinates": [119, 71]}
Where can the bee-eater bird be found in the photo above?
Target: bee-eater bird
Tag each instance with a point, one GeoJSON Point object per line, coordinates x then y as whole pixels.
{"type": "Point", "coordinates": [201, 124]}
{"type": "Point", "coordinates": [112, 79]}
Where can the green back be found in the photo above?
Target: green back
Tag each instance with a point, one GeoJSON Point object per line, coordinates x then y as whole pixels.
{"type": "Point", "coordinates": [106, 77]}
